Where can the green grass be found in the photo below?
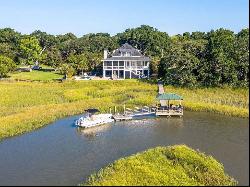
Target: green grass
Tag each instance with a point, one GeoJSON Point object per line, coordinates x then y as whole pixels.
{"type": "Point", "coordinates": [26, 106]}
{"type": "Point", "coordinates": [163, 166]}
{"type": "Point", "coordinates": [35, 76]}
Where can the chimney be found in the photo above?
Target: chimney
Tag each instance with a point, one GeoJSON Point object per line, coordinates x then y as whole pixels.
{"type": "Point", "coordinates": [105, 53]}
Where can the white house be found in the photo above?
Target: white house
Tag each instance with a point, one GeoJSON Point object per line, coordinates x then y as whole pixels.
{"type": "Point", "coordinates": [125, 62]}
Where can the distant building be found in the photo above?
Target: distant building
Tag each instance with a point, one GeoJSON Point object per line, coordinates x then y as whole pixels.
{"type": "Point", "coordinates": [125, 62]}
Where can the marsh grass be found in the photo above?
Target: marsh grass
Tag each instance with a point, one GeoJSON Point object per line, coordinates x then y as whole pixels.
{"type": "Point", "coordinates": [26, 106]}
{"type": "Point", "coordinates": [227, 101]}
{"type": "Point", "coordinates": [163, 166]}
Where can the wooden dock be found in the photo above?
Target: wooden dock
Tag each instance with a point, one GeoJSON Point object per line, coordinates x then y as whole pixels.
{"type": "Point", "coordinates": [169, 112]}
{"type": "Point", "coordinates": [122, 117]}
{"type": "Point", "coordinates": [163, 108]}
{"type": "Point", "coordinates": [132, 114]}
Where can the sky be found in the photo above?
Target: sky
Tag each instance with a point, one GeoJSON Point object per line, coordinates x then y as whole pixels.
{"type": "Point", "coordinates": [114, 16]}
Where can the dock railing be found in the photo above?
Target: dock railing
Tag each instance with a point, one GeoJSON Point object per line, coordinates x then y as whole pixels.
{"type": "Point", "coordinates": [166, 111]}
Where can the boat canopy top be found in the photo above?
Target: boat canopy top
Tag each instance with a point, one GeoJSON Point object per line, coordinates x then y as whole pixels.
{"type": "Point", "coordinates": [169, 96]}
{"type": "Point", "coordinates": [92, 110]}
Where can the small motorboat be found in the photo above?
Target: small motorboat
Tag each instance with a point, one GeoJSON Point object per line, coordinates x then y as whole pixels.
{"type": "Point", "coordinates": [94, 120]}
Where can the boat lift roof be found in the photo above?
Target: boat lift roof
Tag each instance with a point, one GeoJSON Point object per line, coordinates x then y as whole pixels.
{"type": "Point", "coordinates": [169, 96]}
{"type": "Point", "coordinates": [92, 110]}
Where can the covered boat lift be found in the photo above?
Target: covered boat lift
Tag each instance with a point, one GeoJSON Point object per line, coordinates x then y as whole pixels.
{"type": "Point", "coordinates": [165, 108]}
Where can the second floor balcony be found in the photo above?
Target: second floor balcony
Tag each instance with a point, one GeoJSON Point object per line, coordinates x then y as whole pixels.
{"type": "Point", "coordinates": [125, 65]}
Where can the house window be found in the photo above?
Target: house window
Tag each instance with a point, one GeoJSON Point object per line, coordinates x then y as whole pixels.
{"type": "Point", "coordinates": [115, 63]}
{"type": "Point", "coordinates": [121, 63]}
{"type": "Point", "coordinates": [139, 63]}
{"type": "Point", "coordinates": [128, 54]}
{"type": "Point", "coordinates": [107, 63]}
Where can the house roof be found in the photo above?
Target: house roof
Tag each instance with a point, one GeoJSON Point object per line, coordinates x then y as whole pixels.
{"type": "Point", "coordinates": [127, 58]}
{"type": "Point", "coordinates": [135, 54]}
{"type": "Point", "coordinates": [127, 48]}
{"type": "Point", "coordinates": [169, 96]}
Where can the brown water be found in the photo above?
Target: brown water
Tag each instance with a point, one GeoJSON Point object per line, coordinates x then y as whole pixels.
{"type": "Point", "coordinates": [61, 154]}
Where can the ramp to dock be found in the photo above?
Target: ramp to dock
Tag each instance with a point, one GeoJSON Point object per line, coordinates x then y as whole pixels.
{"type": "Point", "coordinates": [161, 91]}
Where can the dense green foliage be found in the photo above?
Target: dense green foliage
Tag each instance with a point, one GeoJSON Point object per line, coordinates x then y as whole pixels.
{"type": "Point", "coordinates": [25, 106]}
{"type": "Point", "coordinates": [209, 59]}
{"type": "Point", "coordinates": [192, 59]}
{"type": "Point", "coordinates": [163, 166]}
{"type": "Point", "coordinates": [6, 65]}
{"type": "Point", "coordinates": [30, 50]}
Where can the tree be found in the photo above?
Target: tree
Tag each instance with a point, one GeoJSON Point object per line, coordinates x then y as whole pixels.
{"type": "Point", "coordinates": [45, 40]}
{"type": "Point", "coordinates": [30, 49]}
{"type": "Point", "coordinates": [9, 40]}
{"type": "Point", "coordinates": [7, 50]}
{"type": "Point", "coordinates": [67, 70]}
{"type": "Point", "coordinates": [220, 63]}
{"type": "Point", "coordinates": [180, 66]}
{"type": "Point", "coordinates": [242, 57]}
{"type": "Point", "coordinates": [8, 35]}
{"type": "Point", "coordinates": [79, 62]}
{"type": "Point", "coordinates": [52, 57]}
{"type": "Point", "coordinates": [6, 65]}
{"type": "Point", "coordinates": [66, 37]}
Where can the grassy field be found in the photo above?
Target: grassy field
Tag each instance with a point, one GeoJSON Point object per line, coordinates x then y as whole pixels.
{"type": "Point", "coordinates": [26, 106]}
{"type": "Point", "coordinates": [35, 76]}
{"type": "Point", "coordinates": [163, 166]}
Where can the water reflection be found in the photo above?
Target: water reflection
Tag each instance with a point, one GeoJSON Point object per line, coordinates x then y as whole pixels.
{"type": "Point", "coordinates": [93, 132]}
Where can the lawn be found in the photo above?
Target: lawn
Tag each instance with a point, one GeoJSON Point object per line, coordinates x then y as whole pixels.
{"type": "Point", "coordinates": [35, 76]}
{"type": "Point", "coordinates": [163, 166]}
{"type": "Point", "coordinates": [26, 106]}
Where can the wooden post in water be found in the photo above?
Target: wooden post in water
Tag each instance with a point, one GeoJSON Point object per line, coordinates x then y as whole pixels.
{"type": "Point", "coordinates": [115, 109]}
{"type": "Point", "coordinates": [124, 109]}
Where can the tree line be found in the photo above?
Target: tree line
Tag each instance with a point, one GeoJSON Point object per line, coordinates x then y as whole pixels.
{"type": "Point", "coordinates": [215, 58]}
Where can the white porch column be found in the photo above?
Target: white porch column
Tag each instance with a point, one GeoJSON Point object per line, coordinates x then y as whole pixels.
{"type": "Point", "coordinates": [130, 66]}
{"type": "Point", "coordinates": [103, 74]}
{"type": "Point", "coordinates": [118, 66]}
{"type": "Point", "coordinates": [148, 69]}
{"type": "Point", "coordinates": [112, 69]}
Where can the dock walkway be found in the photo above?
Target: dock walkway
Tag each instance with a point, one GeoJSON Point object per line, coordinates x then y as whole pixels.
{"type": "Point", "coordinates": [161, 91]}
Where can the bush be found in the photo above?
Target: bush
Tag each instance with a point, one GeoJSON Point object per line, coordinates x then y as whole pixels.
{"type": "Point", "coordinates": [6, 65]}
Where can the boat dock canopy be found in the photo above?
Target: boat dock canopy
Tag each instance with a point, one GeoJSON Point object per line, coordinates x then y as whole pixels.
{"type": "Point", "coordinates": [169, 96]}
{"type": "Point", "coordinates": [92, 110]}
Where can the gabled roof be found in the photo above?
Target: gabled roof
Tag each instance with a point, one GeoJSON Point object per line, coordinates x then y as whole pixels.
{"type": "Point", "coordinates": [129, 58]}
{"type": "Point", "coordinates": [169, 96]}
{"type": "Point", "coordinates": [127, 48]}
